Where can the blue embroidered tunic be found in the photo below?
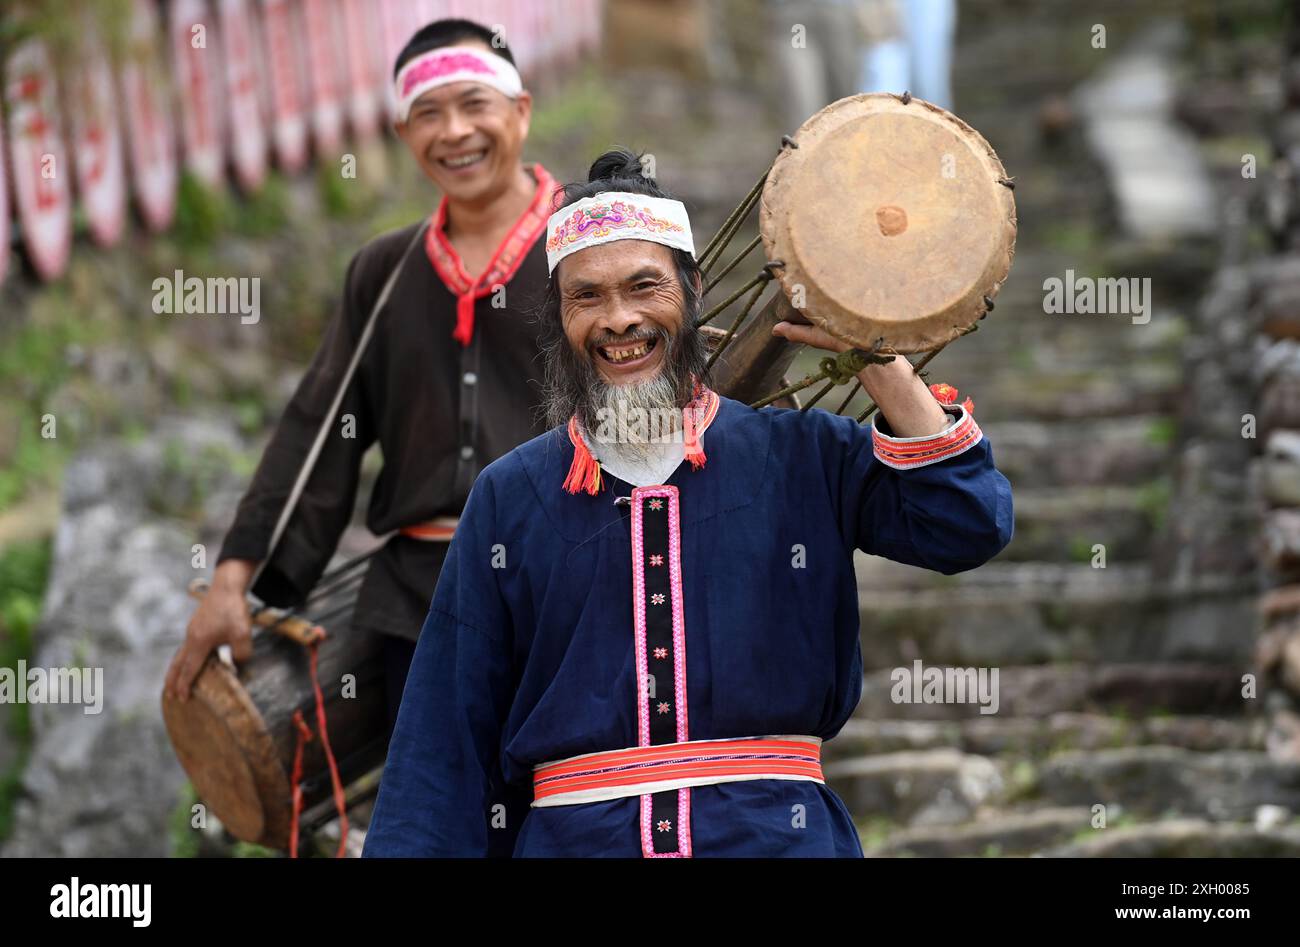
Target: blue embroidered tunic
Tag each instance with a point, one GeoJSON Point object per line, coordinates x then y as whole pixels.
{"type": "Point", "coordinates": [532, 649]}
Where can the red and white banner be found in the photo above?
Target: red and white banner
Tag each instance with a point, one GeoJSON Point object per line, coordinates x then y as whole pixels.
{"type": "Point", "coordinates": [247, 134]}
{"type": "Point", "coordinates": [4, 210]}
{"type": "Point", "coordinates": [42, 175]}
{"type": "Point", "coordinates": [150, 133]}
{"type": "Point", "coordinates": [325, 75]}
{"type": "Point", "coordinates": [398, 21]}
{"type": "Point", "coordinates": [282, 28]}
{"type": "Point", "coordinates": [257, 74]}
{"type": "Point", "coordinates": [97, 142]}
{"type": "Point", "coordinates": [196, 65]}
{"type": "Point", "coordinates": [362, 45]}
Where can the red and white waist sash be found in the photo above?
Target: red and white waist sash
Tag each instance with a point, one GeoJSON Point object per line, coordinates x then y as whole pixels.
{"type": "Point", "coordinates": [640, 770]}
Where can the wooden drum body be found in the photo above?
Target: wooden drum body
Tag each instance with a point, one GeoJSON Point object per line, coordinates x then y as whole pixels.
{"type": "Point", "coordinates": [235, 736]}
{"type": "Point", "coordinates": [893, 219]}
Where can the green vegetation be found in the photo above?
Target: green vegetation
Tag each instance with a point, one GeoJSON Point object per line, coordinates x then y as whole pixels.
{"type": "Point", "coordinates": [1022, 781]}
{"type": "Point", "coordinates": [1074, 237]}
{"type": "Point", "coordinates": [202, 213]}
{"type": "Point", "coordinates": [1081, 549]}
{"type": "Point", "coordinates": [37, 358]}
{"type": "Point", "coordinates": [61, 24]}
{"type": "Point", "coordinates": [875, 831]}
{"type": "Point", "coordinates": [341, 197]}
{"type": "Point", "coordinates": [183, 836]}
{"type": "Point", "coordinates": [1162, 432]}
{"type": "Point", "coordinates": [1056, 614]}
{"type": "Point", "coordinates": [1123, 820]}
{"type": "Point", "coordinates": [1153, 500]}
{"type": "Point", "coordinates": [264, 212]}
{"type": "Point", "coordinates": [249, 850]}
{"type": "Point", "coordinates": [24, 568]}
{"type": "Point", "coordinates": [189, 476]}
{"type": "Point", "coordinates": [580, 124]}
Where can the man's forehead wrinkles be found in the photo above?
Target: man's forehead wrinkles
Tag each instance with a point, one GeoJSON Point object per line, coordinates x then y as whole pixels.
{"type": "Point", "coordinates": [579, 284]}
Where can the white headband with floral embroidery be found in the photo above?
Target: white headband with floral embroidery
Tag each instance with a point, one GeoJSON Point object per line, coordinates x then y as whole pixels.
{"type": "Point", "coordinates": [616, 215]}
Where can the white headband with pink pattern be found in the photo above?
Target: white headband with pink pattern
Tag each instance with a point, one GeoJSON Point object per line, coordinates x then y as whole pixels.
{"type": "Point", "coordinates": [448, 64]}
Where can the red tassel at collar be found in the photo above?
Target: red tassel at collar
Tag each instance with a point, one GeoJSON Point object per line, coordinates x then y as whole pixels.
{"type": "Point", "coordinates": [584, 472]}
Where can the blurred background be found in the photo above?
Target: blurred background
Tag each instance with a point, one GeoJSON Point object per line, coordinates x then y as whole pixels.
{"type": "Point", "coordinates": [1145, 621]}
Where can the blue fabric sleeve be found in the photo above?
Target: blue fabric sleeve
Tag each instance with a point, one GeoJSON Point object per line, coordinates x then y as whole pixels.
{"type": "Point", "coordinates": [442, 794]}
{"type": "Point", "coordinates": [948, 516]}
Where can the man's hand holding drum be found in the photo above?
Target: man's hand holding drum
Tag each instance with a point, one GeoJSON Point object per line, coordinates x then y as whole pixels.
{"type": "Point", "coordinates": [903, 398]}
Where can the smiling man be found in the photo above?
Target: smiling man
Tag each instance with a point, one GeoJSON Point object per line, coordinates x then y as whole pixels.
{"type": "Point", "coordinates": [450, 381]}
{"type": "Point", "coordinates": [638, 645]}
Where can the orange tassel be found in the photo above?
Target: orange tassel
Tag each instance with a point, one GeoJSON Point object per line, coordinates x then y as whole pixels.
{"type": "Point", "coordinates": [584, 472]}
{"type": "Point", "coordinates": [694, 451]}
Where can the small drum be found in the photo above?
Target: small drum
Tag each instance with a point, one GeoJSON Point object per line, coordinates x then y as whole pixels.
{"type": "Point", "coordinates": [893, 219]}
{"type": "Point", "coordinates": [236, 739]}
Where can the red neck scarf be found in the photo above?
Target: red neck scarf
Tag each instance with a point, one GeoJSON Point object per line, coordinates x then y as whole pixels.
{"type": "Point", "coordinates": [504, 263]}
{"type": "Point", "coordinates": [584, 472]}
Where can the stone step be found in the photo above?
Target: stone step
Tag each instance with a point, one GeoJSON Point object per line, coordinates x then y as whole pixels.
{"type": "Point", "coordinates": [1068, 349]}
{"type": "Point", "coordinates": [1041, 691]}
{"type": "Point", "coordinates": [1089, 452]}
{"type": "Point", "coordinates": [1011, 613]}
{"type": "Point", "coordinates": [995, 833]}
{"type": "Point", "coordinates": [1183, 838]}
{"type": "Point", "coordinates": [1043, 734]}
{"type": "Point", "coordinates": [925, 787]}
{"type": "Point", "coordinates": [1141, 388]}
{"type": "Point", "coordinates": [1152, 781]}
{"type": "Point", "coordinates": [1065, 524]}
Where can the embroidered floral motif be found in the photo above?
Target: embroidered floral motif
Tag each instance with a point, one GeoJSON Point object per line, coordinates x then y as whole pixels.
{"type": "Point", "coordinates": [664, 825]}
{"type": "Point", "coordinates": [656, 560]}
{"type": "Point", "coordinates": [602, 219]}
{"type": "Point", "coordinates": [661, 652]}
{"type": "Point", "coordinates": [656, 504]}
{"type": "Point", "coordinates": [657, 599]}
{"type": "Point", "coordinates": [663, 707]}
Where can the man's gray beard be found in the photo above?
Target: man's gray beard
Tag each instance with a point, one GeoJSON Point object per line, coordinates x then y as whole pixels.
{"type": "Point", "coordinates": [615, 407]}
{"type": "Point", "coordinates": [574, 386]}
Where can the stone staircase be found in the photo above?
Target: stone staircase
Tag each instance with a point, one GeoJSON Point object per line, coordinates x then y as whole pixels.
{"type": "Point", "coordinates": [1117, 688]}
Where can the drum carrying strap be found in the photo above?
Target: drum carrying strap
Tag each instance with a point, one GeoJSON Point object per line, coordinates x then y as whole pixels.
{"type": "Point", "coordinates": [308, 465]}
{"type": "Point", "coordinates": [304, 733]}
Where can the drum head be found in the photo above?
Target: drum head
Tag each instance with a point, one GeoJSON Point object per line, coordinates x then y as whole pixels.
{"type": "Point", "coordinates": [891, 221]}
{"type": "Point", "coordinates": [222, 743]}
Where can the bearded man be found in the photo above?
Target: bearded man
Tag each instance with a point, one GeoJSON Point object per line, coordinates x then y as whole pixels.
{"type": "Point", "coordinates": [622, 657]}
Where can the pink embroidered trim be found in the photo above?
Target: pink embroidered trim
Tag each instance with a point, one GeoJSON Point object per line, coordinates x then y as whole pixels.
{"type": "Point", "coordinates": [641, 645]}
{"type": "Point", "coordinates": [906, 453]}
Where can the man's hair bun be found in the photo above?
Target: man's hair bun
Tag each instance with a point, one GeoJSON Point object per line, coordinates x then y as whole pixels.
{"type": "Point", "coordinates": [618, 164]}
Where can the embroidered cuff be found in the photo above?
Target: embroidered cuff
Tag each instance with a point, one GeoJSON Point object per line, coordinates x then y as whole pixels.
{"type": "Point", "coordinates": [904, 453]}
